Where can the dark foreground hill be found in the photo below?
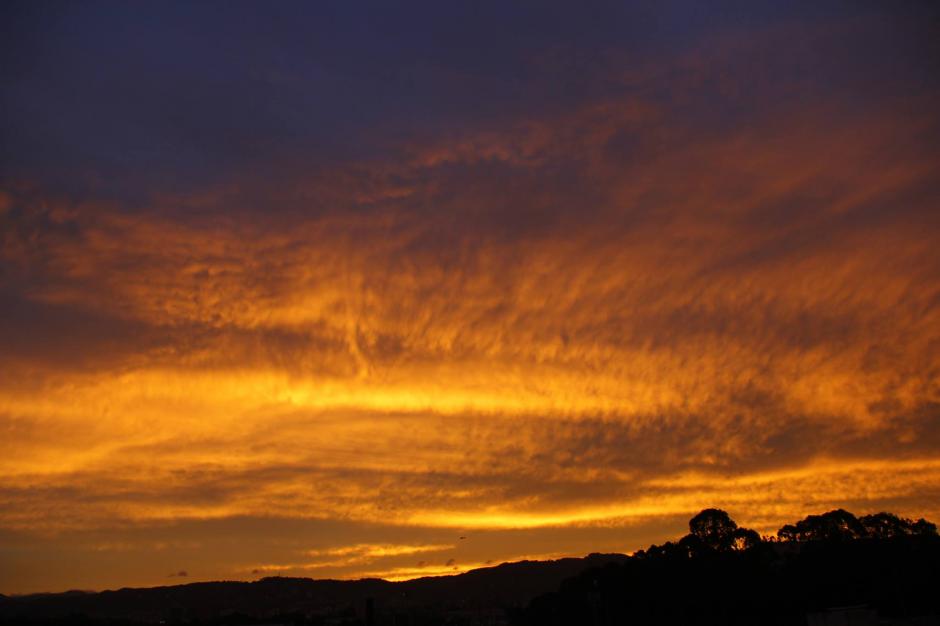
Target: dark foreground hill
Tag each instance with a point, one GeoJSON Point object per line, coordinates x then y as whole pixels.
{"type": "Point", "coordinates": [855, 583]}
{"type": "Point", "coordinates": [826, 570]}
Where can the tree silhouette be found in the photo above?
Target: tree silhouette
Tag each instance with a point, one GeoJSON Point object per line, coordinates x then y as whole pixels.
{"type": "Point", "coordinates": [715, 529]}
{"type": "Point", "coordinates": [837, 525]}
{"type": "Point", "coordinates": [745, 539]}
{"type": "Point", "coordinates": [840, 525]}
{"type": "Point", "coordinates": [923, 527]}
{"type": "Point", "coordinates": [788, 532]}
{"type": "Point", "coordinates": [883, 525]}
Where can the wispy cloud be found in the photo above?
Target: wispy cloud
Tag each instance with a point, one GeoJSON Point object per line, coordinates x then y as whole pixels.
{"type": "Point", "coordinates": [682, 288]}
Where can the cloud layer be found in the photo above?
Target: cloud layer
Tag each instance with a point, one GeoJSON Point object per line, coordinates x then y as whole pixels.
{"type": "Point", "coordinates": [551, 327]}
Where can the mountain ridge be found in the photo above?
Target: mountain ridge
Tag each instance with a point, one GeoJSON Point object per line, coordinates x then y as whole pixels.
{"type": "Point", "coordinates": [504, 585]}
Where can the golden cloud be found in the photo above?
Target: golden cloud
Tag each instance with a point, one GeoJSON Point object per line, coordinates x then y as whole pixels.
{"type": "Point", "coordinates": [467, 338]}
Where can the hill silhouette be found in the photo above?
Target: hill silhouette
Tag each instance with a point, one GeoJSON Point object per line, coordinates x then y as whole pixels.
{"type": "Point", "coordinates": [483, 591]}
{"type": "Point", "coordinates": [830, 569]}
{"type": "Point", "coordinates": [824, 570]}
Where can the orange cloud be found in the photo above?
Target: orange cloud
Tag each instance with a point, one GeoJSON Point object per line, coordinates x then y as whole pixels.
{"type": "Point", "coordinates": [523, 327]}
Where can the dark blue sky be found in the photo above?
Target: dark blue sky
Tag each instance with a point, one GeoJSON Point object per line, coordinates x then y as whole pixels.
{"type": "Point", "coordinates": [128, 97]}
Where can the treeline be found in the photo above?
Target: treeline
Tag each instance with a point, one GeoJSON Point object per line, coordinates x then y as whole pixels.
{"type": "Point", "coordinates": [713, 530]}
{"type": "Point", "coordinates": [841, 525]}
{"type": "Point", "coordinates": [884, 567]}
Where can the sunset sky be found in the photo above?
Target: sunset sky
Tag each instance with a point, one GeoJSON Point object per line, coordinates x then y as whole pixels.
{"type": "Point", "coordinates": [344, 289]}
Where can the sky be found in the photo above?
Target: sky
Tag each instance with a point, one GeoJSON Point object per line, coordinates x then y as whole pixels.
{"type": "Point", "coordinates": [346, 289]}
